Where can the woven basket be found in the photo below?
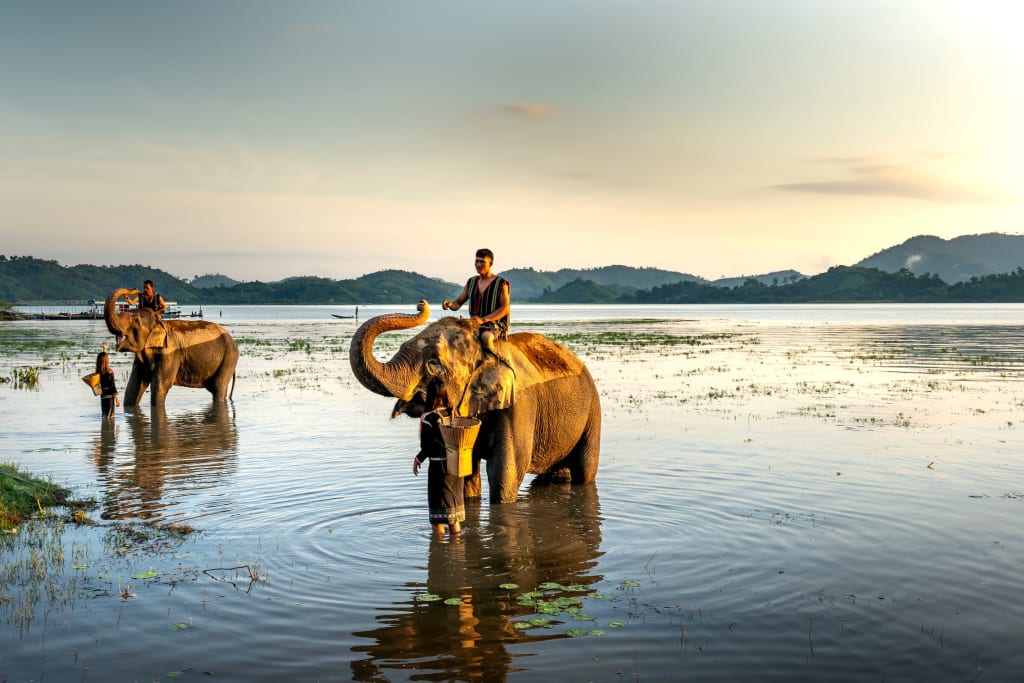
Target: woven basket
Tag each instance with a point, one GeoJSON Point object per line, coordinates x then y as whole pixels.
{"type": "Point", "coordinates": [459, 434]}
{"type": "Point", "coordinates": [93, 380]}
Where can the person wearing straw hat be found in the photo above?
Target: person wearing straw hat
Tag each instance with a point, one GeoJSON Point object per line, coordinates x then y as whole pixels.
{"type": "Point", "coordinates": [444, 491]}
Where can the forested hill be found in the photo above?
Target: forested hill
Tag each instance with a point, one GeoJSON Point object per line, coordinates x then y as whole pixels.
{"type": "Point", "coordinates": [839, 284]}
{"type": "Point", "coordinates": [28, 279]}
{"type": "Point", "coordinates": [527, 283]}
{"type": "Point", "coordinates": [954, 260]}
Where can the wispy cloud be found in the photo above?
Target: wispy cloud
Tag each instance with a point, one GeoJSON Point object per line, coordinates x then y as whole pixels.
{"type": "Point", "coordinates": [867, 177]}
{"type": "Point", "coordinates": [533, 111]}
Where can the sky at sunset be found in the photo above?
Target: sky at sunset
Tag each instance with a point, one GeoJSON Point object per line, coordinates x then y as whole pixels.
{"type": "Point", "coordinates": [263, 140]}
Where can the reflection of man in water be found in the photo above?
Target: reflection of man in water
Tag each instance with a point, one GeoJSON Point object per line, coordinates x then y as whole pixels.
{"type": "Point", "coordinates": [552, 534]}
{"type": "Point", "coordinates": [172, 457]}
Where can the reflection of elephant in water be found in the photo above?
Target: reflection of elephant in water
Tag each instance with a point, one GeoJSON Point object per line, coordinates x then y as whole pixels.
{"type": "Point", "coordinates": [187, 353]}
{"type": "Point", "coordinates": [171, 455]}
{"type": "Point", "coordinates": [554, 534]}
{"type": "Point", "coordinates": [542, 415]}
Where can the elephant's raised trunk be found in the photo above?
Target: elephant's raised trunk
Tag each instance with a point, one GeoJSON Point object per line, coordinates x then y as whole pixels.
{"type": "Point", "coordinates": [398, 376]}
{"type": "Point", "coordinates": [117, 323]}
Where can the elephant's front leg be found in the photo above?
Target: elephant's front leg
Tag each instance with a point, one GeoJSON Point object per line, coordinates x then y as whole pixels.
{"type": "Point", "coordinates": [137, 384]}
{"type": "Point", "coordinates": [473, 488]}
{"type": "Point", "coordinates": [505, 472]}
{"type": "Point", "coordinates": [164, 373]}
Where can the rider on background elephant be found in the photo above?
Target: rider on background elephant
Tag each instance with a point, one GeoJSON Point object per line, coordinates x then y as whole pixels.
{"type": "Point", "coordinates": [540, 413]}
{"type": "Point", "coordinates": [188, 353]}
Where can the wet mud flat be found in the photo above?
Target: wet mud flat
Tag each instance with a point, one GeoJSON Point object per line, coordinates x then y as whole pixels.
{"type": "Point", "coordinates": [775, 501]}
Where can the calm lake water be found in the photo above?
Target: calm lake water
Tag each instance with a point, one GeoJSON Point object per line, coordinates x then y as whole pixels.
{"type": "Point", "coordinates": [785, 493]}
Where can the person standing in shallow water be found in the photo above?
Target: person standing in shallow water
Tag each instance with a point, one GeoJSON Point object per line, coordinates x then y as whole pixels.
{"type": "Point", "coordinates": [108, 387]}
{"type": "Point", "coordinates": [444, 492]}
{"type": "Point", "coordinates": [489, 297]}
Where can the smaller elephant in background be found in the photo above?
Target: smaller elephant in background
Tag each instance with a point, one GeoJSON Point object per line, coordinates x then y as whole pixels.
{"type": "Point", "coordinates": [188, 353]}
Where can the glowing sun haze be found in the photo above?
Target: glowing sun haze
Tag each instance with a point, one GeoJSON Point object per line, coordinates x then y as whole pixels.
{"type": "Point", "coordinates": [263, 140]}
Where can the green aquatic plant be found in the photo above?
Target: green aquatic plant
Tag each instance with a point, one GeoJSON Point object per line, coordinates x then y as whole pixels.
{"type": "Point", "coordinates": [25, 378]}
{"type": "Point", "coordinates": [22, 495]}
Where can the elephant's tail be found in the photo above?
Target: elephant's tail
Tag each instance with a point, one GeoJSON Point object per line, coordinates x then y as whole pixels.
{"type": "Point", "coordinates": [231, 394]}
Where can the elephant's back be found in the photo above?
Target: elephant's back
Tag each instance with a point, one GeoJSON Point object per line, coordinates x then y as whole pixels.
{"type": "Point", "coordinates": [549, 357]}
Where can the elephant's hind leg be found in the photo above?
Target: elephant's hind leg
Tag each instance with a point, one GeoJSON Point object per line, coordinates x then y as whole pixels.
{"type": "Point", "coordinates": [587, 454]}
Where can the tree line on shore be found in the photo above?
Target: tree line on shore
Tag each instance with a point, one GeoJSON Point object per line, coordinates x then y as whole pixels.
{"type": "Point", "coordinates": [840, 284]}
{"type": "Point", "coordinates": [27, 279]}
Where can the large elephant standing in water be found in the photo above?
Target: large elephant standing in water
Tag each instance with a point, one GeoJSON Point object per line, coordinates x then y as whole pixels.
{"type": "Point", "coordinates": [187, 353]}
{"type": "Point", "coordinates": [540, 412]}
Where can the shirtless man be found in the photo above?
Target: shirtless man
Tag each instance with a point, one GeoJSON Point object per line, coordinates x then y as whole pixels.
{"type": "Point", "coordinates": [489, 300]}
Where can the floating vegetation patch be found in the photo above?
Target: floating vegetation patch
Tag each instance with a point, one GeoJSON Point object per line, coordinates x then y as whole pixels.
{"type": "Point", "coordinates": [553, 604]}
{"type": "Point", "coordinates": [636, 340]}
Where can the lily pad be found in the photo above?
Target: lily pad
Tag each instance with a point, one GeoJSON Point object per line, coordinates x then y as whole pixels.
{"type": "Point", "coordinates": [615, 624]}
{"type": "Point", "coordinates": [539, 621]}
{"type": "Point", "coordinates": [600, 596]}
{"type": "Point", "coordinates": [576, 588]}
{"type": "Point", "coordinates": [576, 632]}
{"type": "Point", "coordinates": [521, 625]}
{"type": "Point", "coordinates": [453, 601]}
{"type": "Point", "coordinates": [428, 597]}
{"type": "Point", "coordinates": [630, 584]}
{"type": "Point", "coordinates": [582, 617]}
{"type": "Point", "coordinates": [509, 586]}
{"type": "Point", "coordinates": [550, 585]}
{"type": "Point", "coordinates": [145, 575]}
{"type": "Point", "coordinates": [597, 632]}
{"type": "Point", "coordinates": [179, 626]}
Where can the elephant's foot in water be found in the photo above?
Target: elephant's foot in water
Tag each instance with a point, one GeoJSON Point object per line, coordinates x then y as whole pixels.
{"type": "Point", "coordinates": [561, 476]}
{"type": "Point", "coordinates": [472, 487]}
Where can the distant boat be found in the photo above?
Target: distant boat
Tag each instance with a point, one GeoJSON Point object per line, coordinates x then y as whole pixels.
{"type": "Point", "coordinates": [346, 317]}
{"type": "Point", "coordinates": [172, 312]}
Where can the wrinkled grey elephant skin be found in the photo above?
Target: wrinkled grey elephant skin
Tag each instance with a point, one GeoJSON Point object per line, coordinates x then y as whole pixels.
{"type": "Point", "coordinates": [540, 412]}
{"type": "Point", "coordinates": [187, 353]}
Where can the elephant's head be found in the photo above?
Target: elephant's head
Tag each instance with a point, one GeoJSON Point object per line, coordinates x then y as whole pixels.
{"type": "Point", "coordinates": [472, 381]}
{"type": "Point", "coordinates": [133, 330]}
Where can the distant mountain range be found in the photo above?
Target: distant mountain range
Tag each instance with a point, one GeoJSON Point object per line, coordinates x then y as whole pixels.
{"type": "Point", "coordinates": [935, 267]}
{"type": "Point", "coordinates": [529, 284]}
{"type": "Point", "coordinates": [954, 260]}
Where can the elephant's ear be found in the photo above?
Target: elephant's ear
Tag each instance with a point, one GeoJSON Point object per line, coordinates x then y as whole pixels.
{"type": "Point", "coordinates": [492, 387]}
{"type": "Point", "coordinates": [157, 337]}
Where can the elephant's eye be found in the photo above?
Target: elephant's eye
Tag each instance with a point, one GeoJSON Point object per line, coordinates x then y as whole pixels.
{"type": "Point", "coordinates": [434, 367]}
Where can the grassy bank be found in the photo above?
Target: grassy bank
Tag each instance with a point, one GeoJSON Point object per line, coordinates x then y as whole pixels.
{"type": "Point", "coordinates": [22, 495]}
